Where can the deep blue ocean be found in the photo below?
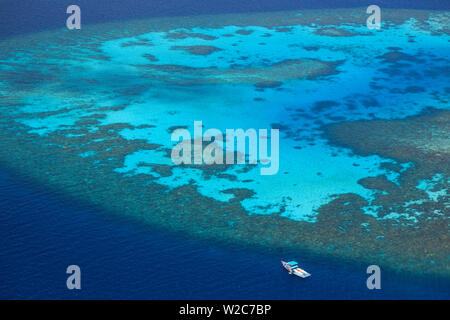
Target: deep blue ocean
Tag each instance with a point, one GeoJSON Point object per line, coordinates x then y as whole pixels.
{"type": "Point", "coordinates": [42, 231]}
{"type": "Point", "coordinates": [17, 17]}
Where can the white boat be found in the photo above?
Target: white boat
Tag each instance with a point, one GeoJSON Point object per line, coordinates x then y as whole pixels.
{"type": "Point", "coordinates": [293, 268]}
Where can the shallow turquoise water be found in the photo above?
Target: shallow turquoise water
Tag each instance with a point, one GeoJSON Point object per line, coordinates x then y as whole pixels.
{"type": "Point", "coordinates": [311, 171]}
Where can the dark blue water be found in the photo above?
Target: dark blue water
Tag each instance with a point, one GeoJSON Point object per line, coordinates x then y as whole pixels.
{"type": "Point", "coordinates": [18, 17]}
{"type": "Point", "coordinates": [43, 232]}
